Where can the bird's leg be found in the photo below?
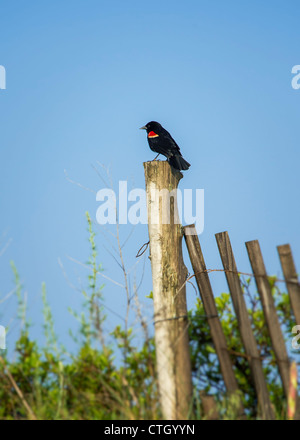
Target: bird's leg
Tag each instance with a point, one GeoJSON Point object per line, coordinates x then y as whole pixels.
{"type": "Point", "coordinates": [156, 156]}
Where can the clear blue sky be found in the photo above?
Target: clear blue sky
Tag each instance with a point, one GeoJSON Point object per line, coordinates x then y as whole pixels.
{"type": "Point", "coordinates": [83, 76]}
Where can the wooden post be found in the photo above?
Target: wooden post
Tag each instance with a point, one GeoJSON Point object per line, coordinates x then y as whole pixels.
{"type": "Point", "coordinates": [169, 275]}
{"type": "Point", "coordinates": [291, 278]}
{"type": "Point", "coordinates": [265, 293]}
{"type": "Point", "coordinates": [277, 339]}
{"type": "Point", "coordinates": [247, 336]}
{"type": "Point", "coordinates": [206, 293]}
{"type": "Point", "coordinates": [209, 407]}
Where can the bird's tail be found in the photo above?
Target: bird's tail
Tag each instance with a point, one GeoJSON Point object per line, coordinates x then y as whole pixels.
{"type": "Point", "coordinates": [178, 162]}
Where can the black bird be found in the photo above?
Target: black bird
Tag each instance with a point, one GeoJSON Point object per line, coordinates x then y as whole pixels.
{"type": "Point", "coordinates": [162, 142]}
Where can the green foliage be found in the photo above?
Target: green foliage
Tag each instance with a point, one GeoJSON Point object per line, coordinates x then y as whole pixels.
{"type": "Point", "coordinates": [89, 384]}
{"type": "Point", "coordinates": [20, 298]}
{"type": "Point", "coordinates": [51, 338]}
{"type": "Point", "coordinates": [205, 365]}
{"type": "Point", "coordinates": [93, 383]}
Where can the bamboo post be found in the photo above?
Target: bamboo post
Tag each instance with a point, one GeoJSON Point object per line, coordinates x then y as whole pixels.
{"type": "Point", "coordinates": [169, 275]}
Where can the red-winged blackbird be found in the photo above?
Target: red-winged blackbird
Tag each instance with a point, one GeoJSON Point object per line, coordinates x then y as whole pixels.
{"type": "Point", "coordinates": [162, 142]}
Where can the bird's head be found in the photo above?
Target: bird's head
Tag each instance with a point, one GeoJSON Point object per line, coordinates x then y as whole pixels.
{"type": "Point", "coordinates": [152, 126]}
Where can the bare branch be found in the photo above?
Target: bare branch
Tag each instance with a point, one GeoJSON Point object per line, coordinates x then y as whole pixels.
{"type": "Point", "coordinates": [98, 272]}
{"type": "Point", "coordinates": [78, 184]}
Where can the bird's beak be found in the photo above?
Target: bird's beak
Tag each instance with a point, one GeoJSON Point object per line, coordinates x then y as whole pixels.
{"type": "Point", "coordinates": [143, 128]}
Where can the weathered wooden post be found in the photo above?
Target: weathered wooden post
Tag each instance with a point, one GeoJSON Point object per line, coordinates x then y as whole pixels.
{"type": "Point", "coordinates": [291, 278]}
{"type": "Point", "coordinates": [248, 338]}
{"type": "Point", "coordinates": [208, 300]}
{"type": "Point", "coordinates": [169, 274]}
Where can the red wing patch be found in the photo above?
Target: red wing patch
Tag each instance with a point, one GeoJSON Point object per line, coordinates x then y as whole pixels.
{"type": "Point", "coordinates": [152, 134]}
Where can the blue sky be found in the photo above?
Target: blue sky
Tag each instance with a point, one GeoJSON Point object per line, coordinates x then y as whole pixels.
{"type": "Point", "coordinates": [83, 76]}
